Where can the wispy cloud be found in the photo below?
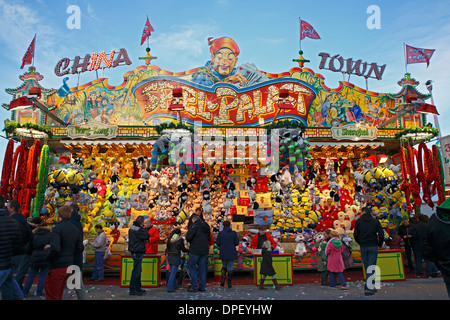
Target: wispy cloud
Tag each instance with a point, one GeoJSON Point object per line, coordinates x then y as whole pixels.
{"type": "Point", "coordinates": [18, 23]}
{"type": "Point", "coordinates": [185, 46]}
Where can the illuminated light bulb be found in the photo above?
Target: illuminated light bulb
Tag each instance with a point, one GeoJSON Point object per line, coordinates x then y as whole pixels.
{"type": "Point", "coordinates": [94, 56]}
{"type": "Point", "coordinates": [102, 57]}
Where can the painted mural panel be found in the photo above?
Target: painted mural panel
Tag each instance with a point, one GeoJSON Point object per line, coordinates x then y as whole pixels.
{"type": "Point", "coordinates": [222, 92]}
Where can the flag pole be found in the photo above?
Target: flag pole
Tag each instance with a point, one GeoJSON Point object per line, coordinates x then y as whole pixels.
{"type": "Point", "coordinates": [406, 62]}
{"type": "Point", "coordinates": [300, 33]}
{"type": "Point", "coordinates": [148, 43]}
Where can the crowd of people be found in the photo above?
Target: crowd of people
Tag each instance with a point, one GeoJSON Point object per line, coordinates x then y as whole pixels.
{"type": "Point", "coordinates": [30, 249]}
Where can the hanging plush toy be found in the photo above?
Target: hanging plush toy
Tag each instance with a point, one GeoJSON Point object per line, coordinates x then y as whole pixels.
{"type": "Point", "coordinates": [159, 152]}
{"type": "Point", "coordinates": [300, 248]}
{"type": "Point", "coordinates": [181, 217]}
{"type": "Point", "coordinates": [207, 208]}
{"type": "Point", "coordinates": [142, 200]}
{"type": "Point", "coordinates": [101, 187]}
{"type": "Point", "coordinates": [121, 210]}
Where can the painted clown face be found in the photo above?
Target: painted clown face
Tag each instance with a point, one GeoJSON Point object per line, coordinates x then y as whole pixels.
{"type": "Point", "coordinates": [224, 61]}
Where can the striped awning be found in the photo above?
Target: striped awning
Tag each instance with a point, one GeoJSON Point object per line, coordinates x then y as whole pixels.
{"type": "Point", "coordinates": [107, 142]}
{"type": "Point", "coordinates": [346, 144]}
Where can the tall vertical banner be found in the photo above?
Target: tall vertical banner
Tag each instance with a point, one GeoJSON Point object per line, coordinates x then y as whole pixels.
{"type": "Point", "coordinates": [445, 149]}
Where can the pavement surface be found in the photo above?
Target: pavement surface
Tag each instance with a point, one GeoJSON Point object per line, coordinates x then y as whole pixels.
{"type": "Point", "coordinates": [243, 289]}
{"type": "Point", "coordinates": [244, 299]}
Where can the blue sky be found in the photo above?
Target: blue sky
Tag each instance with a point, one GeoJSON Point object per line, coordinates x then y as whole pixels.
{"type": "Point", "coordinates": [267, 33]}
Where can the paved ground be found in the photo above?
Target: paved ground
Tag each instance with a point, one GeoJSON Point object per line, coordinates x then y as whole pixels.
{"type": "Point", "coordinates": [410, 289]}
{"type": "Point", "coordinates": [245, 300]}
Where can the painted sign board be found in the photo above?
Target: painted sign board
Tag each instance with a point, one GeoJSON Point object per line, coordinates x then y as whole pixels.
{"type": "Point", "coordinates": [92, 130]}
{"type": "Point", "coordinates": [283, 265]}
{"type": "Point", "coordinates": [150, 276]}
{"type": "Point", "coordinates": [391, 266]}
{"type": "Point", "coordinates": [354, 132]}
{"type": "Point", "coordinates": [231, 95]}
{"type": "Point", "coordinates": [445, 151]}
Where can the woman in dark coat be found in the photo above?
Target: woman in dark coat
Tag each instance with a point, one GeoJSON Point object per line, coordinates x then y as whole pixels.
{"type": "Point", "coordinates": [266, 266]}
{"type": "Point", "coordinates": [39, 264]}
{"type": "Point", "coordinates": [174, 249]}
{"type": "Point", "coordinates": [227, 240]}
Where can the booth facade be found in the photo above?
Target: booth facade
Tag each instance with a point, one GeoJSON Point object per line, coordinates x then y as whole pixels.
{"type": "Point", "coordinates": [112, 155]}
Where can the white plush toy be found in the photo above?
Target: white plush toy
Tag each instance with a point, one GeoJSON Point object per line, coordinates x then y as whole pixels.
{"type": "Point", "coordinates": [300, 248]}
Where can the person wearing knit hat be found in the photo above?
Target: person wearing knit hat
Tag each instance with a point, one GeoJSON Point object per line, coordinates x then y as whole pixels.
{"type": "Point", "coordinates": [437, 241]}
{"type": "Point", "coordinates": [222, 66]}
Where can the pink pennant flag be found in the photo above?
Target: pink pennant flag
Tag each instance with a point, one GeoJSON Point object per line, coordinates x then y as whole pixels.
{"type": "Point", "coordinates": [418, 55]}
{"type": "Point", "coordinates": [147, 31]}
{"type": "Point", "coordinates": [306, 30]}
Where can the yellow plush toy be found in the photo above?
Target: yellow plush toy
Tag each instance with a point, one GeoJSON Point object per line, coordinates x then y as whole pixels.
{"type": "Point", "coordinates": [129, 169]}
{"type": "Point", "coordinates": [136, 213]}
{"type": "Point", "coordinates": [126, 188]}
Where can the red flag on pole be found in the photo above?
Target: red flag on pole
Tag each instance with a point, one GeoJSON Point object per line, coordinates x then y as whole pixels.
{"type": "Point", "coordinates": [29, 55]}
{"type": "Point", "coordinates": [147, 31]}
{"type": "Point", "coordinates": [418, 55]}
{"type": "Point", "coordinates": [306, 30]}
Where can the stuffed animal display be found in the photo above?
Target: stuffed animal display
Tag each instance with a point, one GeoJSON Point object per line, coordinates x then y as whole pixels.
{"type": "Point", "coordinates": [297, 202]}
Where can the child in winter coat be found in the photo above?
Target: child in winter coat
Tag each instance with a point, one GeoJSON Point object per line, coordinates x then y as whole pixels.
{"type": "Point", "coordinates": [322, 264]}
{"type": "Point", "coordinates": [39, 264]}
{"type": "Point", "coordinates": [266, 266]}
{"type": "Point", "coordinates": [335, 264]}
{"type": "Point", "coordinates": [395, 242]}
{"type": "Point", "coordinates": [175, 247]}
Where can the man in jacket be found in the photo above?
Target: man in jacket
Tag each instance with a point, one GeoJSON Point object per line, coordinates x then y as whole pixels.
{"type": "Point", "coordinates": [137, 240]}
{"type": "Point", "coordinates": [227, 240]}
{"type": "Point", "coordinates": [198, 236]}
{"type": "Point", "coordinates": [21, 260]}
{"type": "Point", "coordinates": [65, 243]}
{"type": "Point", "coordinates": [99, 246]}
{"type": "Point", "coordinates": [9, 237]}
{"type": "Point", "coordinates": [418, 234]}
{"type": "Point", "coordinates": [369, 235]}
{"type": "Point", "coordinates": [437, 241]}
{"type": "Point", "coordinates": [75, 219]}
{"type": "Point", "coordinates": [405, 233]}
{"type": "Point", "coordinates": [260, 237]}
{"type": "Point", "coordinates": [152, 245]}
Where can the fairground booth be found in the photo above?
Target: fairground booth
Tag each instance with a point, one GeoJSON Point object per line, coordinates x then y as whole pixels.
{"type": "Point", "coordinates": [280, 150]}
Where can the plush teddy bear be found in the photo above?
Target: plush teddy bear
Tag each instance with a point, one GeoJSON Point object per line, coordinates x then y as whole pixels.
{"type": "Point", "coordinates": [129, 169]}
{"type": "Point", "coordinates": [142, 200]}
{"type": "Point", "coordinates": [300, 248]}
{"type": "Point", "coordinates": [101, 187]}
{"type": "Point", "coordinates": [127, 187]}
{"type": "Point", "coordinates": [122, 209]}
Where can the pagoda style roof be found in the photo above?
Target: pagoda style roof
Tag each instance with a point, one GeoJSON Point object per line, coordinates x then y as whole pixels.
{"type": "Point", "coordinates": [408, 91]}
{"type": "Point", "coordinates": [30, 79]}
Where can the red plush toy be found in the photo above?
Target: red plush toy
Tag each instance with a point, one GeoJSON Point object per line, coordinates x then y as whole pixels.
{"type": "Point", "coordinates": [323, 225]}
{"type": "Point", "coordinates": [101, 187]}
